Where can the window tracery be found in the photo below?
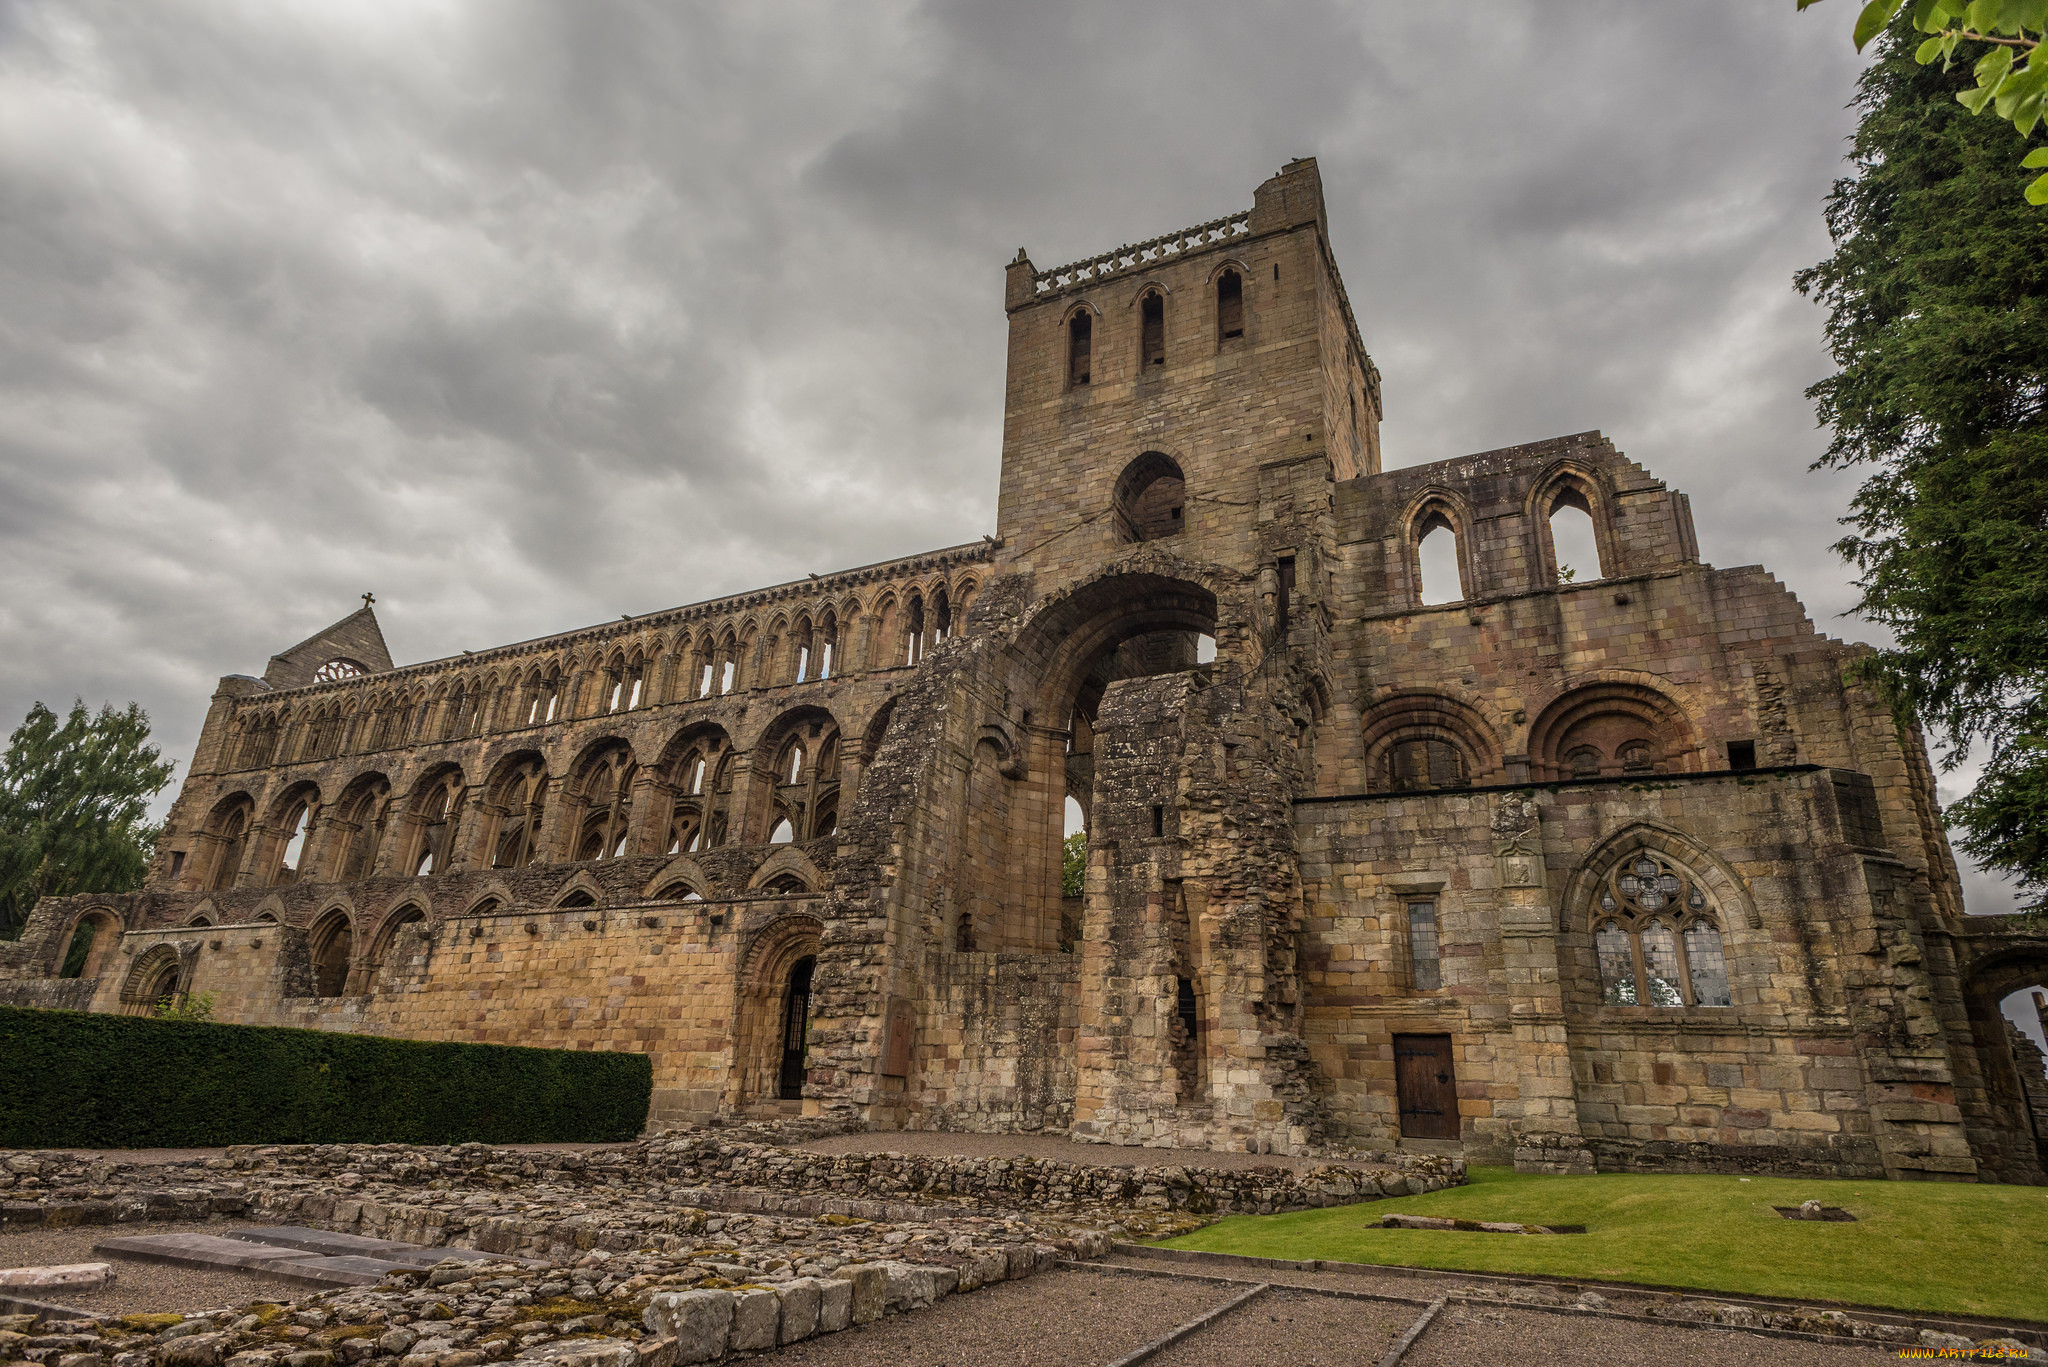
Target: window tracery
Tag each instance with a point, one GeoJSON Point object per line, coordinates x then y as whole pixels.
{"type": "Point", "coordinates": [1657, 936]}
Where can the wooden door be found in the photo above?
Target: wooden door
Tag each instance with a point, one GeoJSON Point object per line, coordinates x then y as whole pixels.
{"type": "Point", "coordinates": [1426, 1086]}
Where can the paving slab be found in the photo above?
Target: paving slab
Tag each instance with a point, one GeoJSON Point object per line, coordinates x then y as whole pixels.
{"type": "Point", "coordinates": [200, 1250]}
{"type": "Point", "coordinates": [329, 1244]}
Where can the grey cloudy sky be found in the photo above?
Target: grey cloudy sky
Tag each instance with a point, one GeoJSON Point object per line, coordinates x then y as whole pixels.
{"type": "Point", "coordinates": [526, 315]}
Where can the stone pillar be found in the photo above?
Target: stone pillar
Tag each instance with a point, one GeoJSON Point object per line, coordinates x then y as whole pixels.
{"type": "Point", "coordinates": [1544, 1116]}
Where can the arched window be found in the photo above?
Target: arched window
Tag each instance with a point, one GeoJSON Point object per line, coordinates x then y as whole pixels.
{"type": "Point", "coordinates": [1229, 307]}
{"type": "Point", "coordinates": [1658, 937]}
{"type": "Point", "coordinates": [358, 827]}
{"type": "Point", "coordinates": [297, 820]}
{"type": "Point", "coordinates": [1151, 332]}
{"type": "Point", "coordinates": [1569, 512]}
{"type": "Point", "coordinates": [783, 834]}
{"type": "Point", "coordinates": [913, 630]}
{"type": "Point", "coordinates": [339, 668]}
{"type": "Point", "coordinates": [1080, 343]}
{"type": "Point", "coordinates": [1151, 499]}
{"type": "Point", "coordinates": [331, 943]}
{"type": "Point", "coordinates": [516, 803]}
{"type": "Point", "coordinates": [92, 940]}
{"type": "Point", "coordinates": [435, 805]}
{"type": "Point", "coordinates": [827, 643]}
{"type": "Point", "coordinates": [1424, 764]}
{"type": "Point", "coordinates": [230, 836]}
{"type": "Point", "coordinates": [606, 792]}
{"type": "Point", "coordinates": [1611, 730]}
{"type": "Point", "coordinates": [1436, 554]}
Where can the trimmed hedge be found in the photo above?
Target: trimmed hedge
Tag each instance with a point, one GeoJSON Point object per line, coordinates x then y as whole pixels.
{"type": "Point", "coordinates": [73, 1079]}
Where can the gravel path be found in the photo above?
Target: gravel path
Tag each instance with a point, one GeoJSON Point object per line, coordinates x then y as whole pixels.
{"type": "Point", "coordinates": [1047, 1146]}
{"type": "Point", "coordinates": [1055, 1319]}
{"type": "Point", "coordinates": [1295, 1328]}
{"type": "Point", "coordinates": [137, 1287]}
{"type": "Point", "coordinates": [1465, 1334]}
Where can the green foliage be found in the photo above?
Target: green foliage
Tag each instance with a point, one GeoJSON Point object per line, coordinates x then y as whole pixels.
{"type": "Point", "coordinates": [1074, 864]}
{"type": "Point", "coordinates": [1922, 1246]}
{"type": "Point", "coordinates": [190, 1006]}
{"type": "Point", "coordinates": [1938, 298]}
{"type": "Point", "coordinates": [72, 800]}
{"type": "Point", "coordinates": [71, 1079]}
{"type": "Point", "coordinates": [2005, 77]}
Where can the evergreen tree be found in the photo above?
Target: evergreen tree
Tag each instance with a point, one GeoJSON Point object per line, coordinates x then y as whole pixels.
{"type": "Point", "coordinates": [73, 796]}
{"type": "Point", "coordinates": [1938, 296]}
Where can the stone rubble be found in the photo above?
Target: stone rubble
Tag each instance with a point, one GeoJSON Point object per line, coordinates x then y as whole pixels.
{"type": "Point", "coordinates": [680, 1248]}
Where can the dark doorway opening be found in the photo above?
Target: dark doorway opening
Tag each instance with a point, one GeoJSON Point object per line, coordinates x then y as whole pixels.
{"type": "Point", "coordinates": [796, 1016]}
{"type": "Point", "coordinates": [1427, 1086]}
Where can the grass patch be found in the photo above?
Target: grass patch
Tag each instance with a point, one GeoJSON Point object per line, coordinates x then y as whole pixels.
{"type": "Point", "coordinates": [1934, 1246]}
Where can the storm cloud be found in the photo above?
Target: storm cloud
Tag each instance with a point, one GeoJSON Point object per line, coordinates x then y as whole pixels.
{"type": "Point", "coordinates": [527, 315]}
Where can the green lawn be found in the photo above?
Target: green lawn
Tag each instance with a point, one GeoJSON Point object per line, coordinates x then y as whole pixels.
{"type": "Point", "coordinates": [1938, 1246]}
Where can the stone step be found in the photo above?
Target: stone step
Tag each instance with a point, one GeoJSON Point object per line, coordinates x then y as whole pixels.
{"type": "Point", "coordinates": [329, 1244]}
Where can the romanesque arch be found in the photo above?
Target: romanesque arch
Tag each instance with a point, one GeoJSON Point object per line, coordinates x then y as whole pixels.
{"type": "Point", "coordinates": [1612, 728]}
{"type": "Point", "coordinates": [1416, 740]}
{"type": "Point", "coordinates": [773, 1009]}
{"type": "Point", "coordinates": [155, 979]}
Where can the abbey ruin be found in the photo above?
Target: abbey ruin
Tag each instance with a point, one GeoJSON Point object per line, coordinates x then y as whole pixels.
{"type": "Point", "coordinates": [1606, 865]}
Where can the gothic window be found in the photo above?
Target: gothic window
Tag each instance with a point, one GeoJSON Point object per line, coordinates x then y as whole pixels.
{"type": "Point", "coordinates": [231, 839]}
{"type": "Point", "coordinates": [1080, 342]}
{"type": "Point", "coordinates": [518, 802]}
{"type": "Point", "coordinates": [1440, 577]}
{"type": "Point", "coordinates": [339, 668]}
{"type": "Point", "coordinates": [332, 941]}
{"type": "Point", "coordinates": [1229, 306]}
{"type": "Point", "coordinates": [827, 643]}
{"type": "Point", "coordinates": [293, 857]}
{"type": "Point", "coordinates": [1657, 937]}
{"type": "Point", "coordinates": [359, 827]}
{"type": "Point", "coordinates": [913, 630]}
{"type": "Point", "coordinates": [606, 794]}
{"type": "Point", "coordinates": [1423, 764]}
{"type": "Point", "coordinates": [1151, 332]}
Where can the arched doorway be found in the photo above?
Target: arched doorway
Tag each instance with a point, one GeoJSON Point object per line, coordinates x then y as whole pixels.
{"type": "Point", "coordinates": [153, 982]}
{"type": "Point", "coordinates": [796, 1017]}
{"type": "Point", "coordinates": [772, 1018]}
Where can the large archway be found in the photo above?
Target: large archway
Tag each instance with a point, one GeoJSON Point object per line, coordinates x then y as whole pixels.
{"type": "Point", "coordinates": [1126, 624]}
{"type": "Point", "coordinates": [2008, 1141]}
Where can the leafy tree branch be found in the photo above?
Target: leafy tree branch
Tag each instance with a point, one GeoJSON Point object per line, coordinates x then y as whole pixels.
{"type": "Point", "coordinates": [2008, 78]}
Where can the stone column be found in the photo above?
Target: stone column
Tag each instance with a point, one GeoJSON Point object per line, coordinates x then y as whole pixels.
{"type": "Point", "coordinates": [1544, 1118]}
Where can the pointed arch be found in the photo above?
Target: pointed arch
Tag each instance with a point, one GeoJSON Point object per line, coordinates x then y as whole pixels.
{"type": "Point", "coordinates": [789, 870]}
{"type": "Point", "coordinates": [1729, 889]}
{"type": "Point", "coordinates": [680, 880]}
{"type": "Point", "coordinates": [1572, 484]}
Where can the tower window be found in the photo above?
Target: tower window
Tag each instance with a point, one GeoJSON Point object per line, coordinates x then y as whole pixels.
{"type": "Point", "coordinates": [1080, 342]}
{"type": "Point", "coordinates": [1152, 330]}
{"type": "Point", "coordinates": [1230, 304]}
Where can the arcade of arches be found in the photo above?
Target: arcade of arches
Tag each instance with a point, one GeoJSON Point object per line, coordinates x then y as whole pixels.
{"type": "Point", "coordinates": [1580, 855]}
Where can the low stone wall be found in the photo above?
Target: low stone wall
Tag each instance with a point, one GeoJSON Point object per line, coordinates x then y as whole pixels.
{"type": "Point", "coordinates": [51, 994]}
{"type": "Point", "coordinates": [1051, 1184]}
